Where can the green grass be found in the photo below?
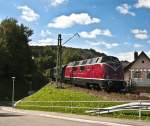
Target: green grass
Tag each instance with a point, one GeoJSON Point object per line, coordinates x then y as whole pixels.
{"type": "Point", "coordinates": [53, 99]}
{"type": "Point", "coordinates": [133, 114]}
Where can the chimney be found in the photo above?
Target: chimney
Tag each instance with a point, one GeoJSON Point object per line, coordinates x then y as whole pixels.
{"type": "Point", "coordinates": [135, 55]}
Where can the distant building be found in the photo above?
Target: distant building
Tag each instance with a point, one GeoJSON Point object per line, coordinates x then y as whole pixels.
{"type": "Point", "coordinates": [138, 71]}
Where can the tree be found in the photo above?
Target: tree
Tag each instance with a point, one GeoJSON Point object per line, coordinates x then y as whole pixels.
{"type": "Point", "coordinates": [70, 55]}
{"type": "Point", "coordinates": [15, 58]}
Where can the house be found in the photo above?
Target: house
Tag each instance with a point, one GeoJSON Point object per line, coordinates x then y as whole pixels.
{"type": "Point", "coordinates": [138, 71]}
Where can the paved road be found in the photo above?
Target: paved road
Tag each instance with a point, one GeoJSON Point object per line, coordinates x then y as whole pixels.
{"type": "Point", "coordinates": [14, 119]}
{"type": "Point", "coordinates": [29, 118]}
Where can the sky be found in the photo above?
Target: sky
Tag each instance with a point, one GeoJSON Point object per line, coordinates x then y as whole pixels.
{"type": "Point", "coordinates": [114, 27]}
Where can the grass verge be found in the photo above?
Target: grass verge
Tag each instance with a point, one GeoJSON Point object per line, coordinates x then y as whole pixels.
{"type": "Point", "coordinates": [67, 100]}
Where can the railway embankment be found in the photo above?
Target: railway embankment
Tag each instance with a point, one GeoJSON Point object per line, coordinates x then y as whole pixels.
{"type": "Point", "coordinates": [77, 100]}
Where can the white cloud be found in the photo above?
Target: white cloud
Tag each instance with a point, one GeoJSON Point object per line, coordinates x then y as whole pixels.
{"type": "Point", "coordinates": [67, 34]}
{"type": "Point", "coordinates": [103, 43]}
{"type": "Point", "coordinates": [101, 50]}
{"type": "Point", "coordinates": [137, 45]}
{"type": "Point", "coordinates": [69, 21]}
{"type": "Point", "coordinates": [28, 14]}
{"type": "Point", "coordinates": [148, 53]}
{"type": "Point", "coordinates": [57, 2]}
{"type": "Point", "coordinates": [124, 9]}
{"type": "Point", "coordinates": [44, 42]}
{"type": "Point", "coordinates": [129, 56]}
{"type": "Point", "coordinates": [93, 43]}
{"type": "Point", "coordinates": [126, 56]}
{"type": "Point", "coordinates": [111, 45]}
{"type": "Point", "coordinates": [130, 45]}
{"type": "Point", "coordinates": [143, 4]}
{"type": "Point", "coordinates": [45, 33]}
{"type": "Point", "coordinates": [126, 43]}
{"type": "Point", "coordinates": [95, 32]}
{"type": "Point", "coordinates": [140, 34]}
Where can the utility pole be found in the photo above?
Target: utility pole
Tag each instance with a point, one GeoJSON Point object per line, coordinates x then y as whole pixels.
{"type": "Point", "coordinates": [13, 91]}
{"type": "Point", "coordinates": [59, 61]}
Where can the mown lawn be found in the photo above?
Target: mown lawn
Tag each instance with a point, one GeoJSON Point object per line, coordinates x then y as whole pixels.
{"type": "Point", "coordinates": [66, 100]}
{"type": "Point", "coordinates": [129, 115]}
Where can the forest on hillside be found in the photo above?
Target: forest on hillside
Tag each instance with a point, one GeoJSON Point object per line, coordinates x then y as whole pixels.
{"type": "Point", "coordinates": [45, 56]}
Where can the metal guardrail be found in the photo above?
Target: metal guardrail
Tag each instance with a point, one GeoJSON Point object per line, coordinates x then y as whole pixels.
{"type": "Point", "coordinates": [86, 105]}
{"type": "Point", "coordinates": [140, 106]}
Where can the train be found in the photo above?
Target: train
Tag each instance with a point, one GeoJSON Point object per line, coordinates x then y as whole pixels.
{"type": "Point", "coordinates": [104, 73]}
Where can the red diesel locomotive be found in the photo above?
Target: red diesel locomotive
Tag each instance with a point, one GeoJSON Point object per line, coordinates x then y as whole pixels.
{"type": "Point", "coordinates": [104, 73]}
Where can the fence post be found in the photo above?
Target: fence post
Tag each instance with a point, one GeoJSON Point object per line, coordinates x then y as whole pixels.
{"type": "Point", "coordinates": [139, 109]}
{"type": "Point", "coordinates": [98, 107]}
{"type": "Point", "coordinates": [71, 106]}
{"type": "Point", "coordinates": [52, 105]}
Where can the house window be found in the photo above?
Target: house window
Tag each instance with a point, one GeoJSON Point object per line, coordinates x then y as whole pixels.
{"type": "Point", "coordinates": [148, 75]}
{"type": "Point", "coordinates": [137, 74]}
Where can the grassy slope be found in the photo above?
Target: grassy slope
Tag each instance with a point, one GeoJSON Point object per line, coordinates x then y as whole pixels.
{"type": "Point", "coordinates": [42, 100]}
{"type": "Point", "coordinates": [51, 93]}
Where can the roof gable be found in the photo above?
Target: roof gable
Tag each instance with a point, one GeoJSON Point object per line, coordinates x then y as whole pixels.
{"type": "Point", "coordinates": [139, 56]}
{"type": "Point", "coordinates": [143, 54]}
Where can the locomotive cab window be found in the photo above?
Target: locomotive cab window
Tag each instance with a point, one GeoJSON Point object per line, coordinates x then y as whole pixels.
{"type": "Point", "coordinates": [82, 68]}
